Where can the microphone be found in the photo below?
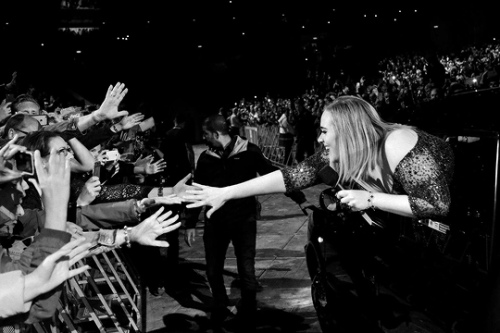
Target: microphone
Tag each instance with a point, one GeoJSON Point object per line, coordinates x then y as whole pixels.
{"type": "Point", "coordinates": [330, 177]}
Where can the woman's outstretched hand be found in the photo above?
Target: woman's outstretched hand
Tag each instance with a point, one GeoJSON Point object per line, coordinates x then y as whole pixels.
{"type": "Point", "coordinates": [203, 195]}
{"type": "Point", "coordinates": [147, 231]}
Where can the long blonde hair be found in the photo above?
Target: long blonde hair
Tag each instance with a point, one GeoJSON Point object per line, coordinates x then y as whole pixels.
{"type": "Point", "coordinates": [360, 135]}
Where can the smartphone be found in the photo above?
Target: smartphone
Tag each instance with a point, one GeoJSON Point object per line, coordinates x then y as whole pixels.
{"type": "Point", "coordinates": [42, 120]}
{"type": "Point", "coordinates": [147, 124]}
{"type": "Point", "coordinates": [25, 162]}
{"type": "Point", "coordinates": [108, 156]}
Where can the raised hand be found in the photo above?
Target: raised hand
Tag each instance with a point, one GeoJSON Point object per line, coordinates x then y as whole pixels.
{"type": "Point", "coordinates": [55, 269]}
{"type": "Point", "coordinates": [154, 168]}
{"type": "Point", "coordinates": [5, 109]}
{"type": "Point", "coordinates": [89, 192]}
{"type": "Point", "coordinates": [7, 152]}
{"type": "Point", "coordinates": [130, 121]}
{"type": "Point", "coordinates": [109, 108]}
{"type": "Point", "coordinates": [53, 178]}
{"type": "Point", "coordinates": [206, 196]}
{"type": "Point", "coordinates": [147, 231]}
{"type": "Point", "coordinates": [143, 161]}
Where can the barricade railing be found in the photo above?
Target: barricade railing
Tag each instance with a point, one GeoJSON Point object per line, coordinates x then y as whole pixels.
{"type": "Point", "coordinates": [105, 298]}
{"type": "Point", "coordinates": [267, 138]}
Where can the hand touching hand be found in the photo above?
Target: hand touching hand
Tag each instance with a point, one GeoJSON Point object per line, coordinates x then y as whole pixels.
{"type": "Point", "coordinates": [203, 195]}
{"type": "Point", "coordinates": [180, 188]}
{"type": "Point", "coordinates": [109, 108]}
{"type": "Point", "coordinates": [147, 203]}
{"type": "Point", "coordinates": [148, 230]}
{"type": "Point", "coordinates": [130, 121]}
{"type": "Point", "coordinates": [89, 192]}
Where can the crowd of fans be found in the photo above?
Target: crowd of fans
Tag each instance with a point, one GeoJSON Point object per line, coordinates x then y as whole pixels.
{"type": "Point", "coordinates": [403, 83]}
{"type": "Point", "coordinates": [67, 173]}
{"type": "Point", "coordinates": [118, 172]}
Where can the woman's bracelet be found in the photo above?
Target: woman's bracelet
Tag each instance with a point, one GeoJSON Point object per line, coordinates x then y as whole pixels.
{"type": "Point", "coordinates": [127, 237]}
{"type": "Point", "coordinates": [370, 200]}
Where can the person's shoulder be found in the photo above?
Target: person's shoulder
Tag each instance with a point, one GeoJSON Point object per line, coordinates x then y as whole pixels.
{"type": "Point", "coordinates": [399, 143]}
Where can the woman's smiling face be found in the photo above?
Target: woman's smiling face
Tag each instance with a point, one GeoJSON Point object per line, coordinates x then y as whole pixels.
{"type": "Point", "coordinates": [328, 136]}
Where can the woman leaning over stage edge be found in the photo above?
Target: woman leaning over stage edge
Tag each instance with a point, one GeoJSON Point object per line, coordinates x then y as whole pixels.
{"type": "Point", "coordinates": [404, 170]}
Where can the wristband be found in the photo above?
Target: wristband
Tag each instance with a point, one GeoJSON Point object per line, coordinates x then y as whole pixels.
{"type": "Point", "coordinates": [127, 237]}
{"type": "Point", "coordinates": [370, 200]}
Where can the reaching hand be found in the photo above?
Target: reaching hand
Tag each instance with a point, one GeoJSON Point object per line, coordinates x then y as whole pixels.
{"type": "Point", "coordinates": [146, 203]}
{"type": "Point", "coordinates": [89, 192]}
{"type": "Point", "coordinates": [206, 196]}
{"type": "Point", "coordinates": [143, 161]}
{"type": "Point", "coordinates": [53, 178]}
{"type": "Point", "coordinates": [148, 230]}
{"type": "Point", "coordinates": [180, 189]}
{"type": "Point", "coordinates": [7, 152]}
{"type": "Point", "coordinates": [12, 82]}
{"type": "Point", "coordinates": [5, 109]}
{"type": "Point", "coordinates": [55, 269]}
{"type": "Point", "coordinates": [154, 168]}
{"type": "Point", "coordinates": [109, 108]}
{"type": "Point", "coordinates": [130, 121]}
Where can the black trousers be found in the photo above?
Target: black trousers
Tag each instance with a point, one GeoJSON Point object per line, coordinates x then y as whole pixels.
{"type": "Point", "coordinates": [242, 233]}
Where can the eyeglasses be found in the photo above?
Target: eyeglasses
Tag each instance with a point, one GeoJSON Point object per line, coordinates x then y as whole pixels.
{"type": "Point", "coordinates": [65, 150]}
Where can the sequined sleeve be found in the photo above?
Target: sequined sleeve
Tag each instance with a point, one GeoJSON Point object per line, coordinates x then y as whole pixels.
{"type": "Point", "coordinates": [304, 174]}
{"type": "Point", "coordinates": [425, 174]}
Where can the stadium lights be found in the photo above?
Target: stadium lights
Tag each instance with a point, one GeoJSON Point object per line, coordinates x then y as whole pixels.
{"type": "Point", "coordinates": [41, 44]}
{"type": "Point", "coordinates": [436, 26]}
{"type": "Point", "coordinates": [78, 51]}
{"type": "Point", "coordinates": [375, 15]}
{"type": "Point", "coordinates": [315, 38]}
{"type": "Point", "coordinates": [303, 27]}
{"type": "Point", "coordinates": [400, 10]}
{"type": "Point", "coordinates": [415, 10]}
{"type": "Point", "coordinates": [6, 23]}
{"type": "Point", "coordinates": [328, 22]}
{"type": "Point", "coordinates": [395, 20]}
{"type": "Point", "coordinates": [200, 46]}
{"type": "Point", "coordinates": [243, 33]}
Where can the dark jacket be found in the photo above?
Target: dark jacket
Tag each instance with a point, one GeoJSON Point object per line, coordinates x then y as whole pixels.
{"type": "Point", "coordinates": [239, 162]}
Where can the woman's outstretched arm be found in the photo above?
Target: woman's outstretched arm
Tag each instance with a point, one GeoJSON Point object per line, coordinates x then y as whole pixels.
{"type": "Point", "coordinates": [216, 197]}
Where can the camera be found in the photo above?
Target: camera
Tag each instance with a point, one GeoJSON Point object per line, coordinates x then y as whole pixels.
{"type": "Point", "coordinates": [24, 163]}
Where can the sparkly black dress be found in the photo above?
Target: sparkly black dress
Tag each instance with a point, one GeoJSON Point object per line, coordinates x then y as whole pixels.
{"type": "Point", "coordinates": [424, 174]}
